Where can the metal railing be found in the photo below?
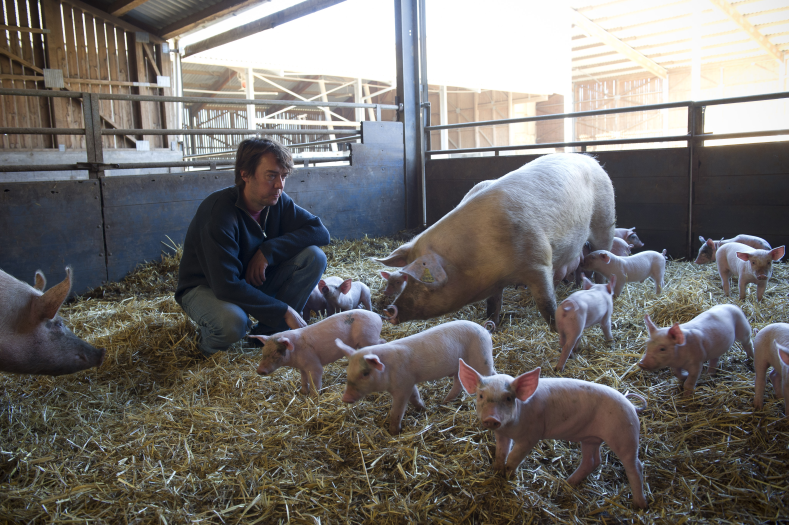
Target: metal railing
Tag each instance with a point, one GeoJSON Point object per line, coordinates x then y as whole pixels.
{"type": "Point", "coordinates": [93, 132]}
{"type": "Point", "coordinates": [695, 134]}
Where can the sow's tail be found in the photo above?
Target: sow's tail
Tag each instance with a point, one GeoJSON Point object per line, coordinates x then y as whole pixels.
{"type": "Point", "coordinates": [642, 398]}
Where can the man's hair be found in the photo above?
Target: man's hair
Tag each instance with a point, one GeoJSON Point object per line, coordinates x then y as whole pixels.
{"type": "Point", "coordinates": [250, 152]}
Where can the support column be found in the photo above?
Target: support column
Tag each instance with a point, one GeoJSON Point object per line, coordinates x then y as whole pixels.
{"type": "Point", "coordinates": [326, 113]}
{"type": "Point", "coordinates": [476, 119]}
{"type": "Point", "coordinates": [368, 98]}
{"type": "Point", "coordinates": [357, 97]}
{"type": "Point", "coordinates": [407, 40]}
{"type": "Point", "coordinates": [251, 110]}
{"type": "Point", "coordinates": [695, 76]}
{"type": "Point", "coordinates": [510, 129]}
{"type": "Point", "coordinates": [443, 116]}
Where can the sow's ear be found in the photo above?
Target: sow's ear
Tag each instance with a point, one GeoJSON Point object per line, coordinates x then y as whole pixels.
{"type": "Point", "coordinates": [427, 269]}
{"type": "Point", "coordinates": [525, 384]}
{"type": "Point", "coordinates": [47, 305]}
{"type": "Point", "coordinates": [41, 281]}
{"type": "Point", "coordinates": [469, 378]}
{"type": "Point", "coordinates": [398, 258]}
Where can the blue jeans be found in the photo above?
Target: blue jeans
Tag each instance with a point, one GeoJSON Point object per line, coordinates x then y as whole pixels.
{"type": "Point", "coordinates": [222, 323]}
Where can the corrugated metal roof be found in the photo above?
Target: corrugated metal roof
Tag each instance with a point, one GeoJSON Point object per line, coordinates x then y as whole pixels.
{"type": "Point", "coordinates": [663, 31]}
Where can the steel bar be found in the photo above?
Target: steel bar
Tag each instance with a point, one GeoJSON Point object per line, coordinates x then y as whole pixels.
{"type": "Point", "coordinates": [349, 138]}
{"type": "Point", "coordinates": [42, 131]}
{"type": "Point", "coordinates": [230, 131]}
{"type": "Point", "coordinates": [639, 140]}
{"type": "Point", "coordinates": [741, 135]}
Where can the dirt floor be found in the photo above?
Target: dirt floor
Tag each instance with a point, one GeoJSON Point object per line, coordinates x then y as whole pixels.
{"type": "Point", "coordinates": [161, 435]}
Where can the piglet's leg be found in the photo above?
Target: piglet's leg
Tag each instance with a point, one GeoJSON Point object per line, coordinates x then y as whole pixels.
{"type": "Point", "coordinates": [590, 460]}
{"type": "Point", "coordinates": [313, 378]}
{"type": "Point", "coordinates": [605, 324]}
{"type": "Point", "coordinates": [456, 386]}
{"type": "Point", "coordinates": [694, 371]}
{"type": "Point", "coordinates": [399, 404]}
{"type": "Point", "coordinates": [761, 286]}
{"type": "Point", "coordinates": [743, 288]}
{"type": "Point", "coordinates": [519, 450]}
{"type": "Point", "coordinates": [760, 382]}
{"type": "Point", "coordinates": [416, 399]}
{"type": "Point", "coordinates": [712, 368]}
{"type": "Point", "coordinates": [503, 445]}
{"type": "Point", "coordinates": [775, 379]}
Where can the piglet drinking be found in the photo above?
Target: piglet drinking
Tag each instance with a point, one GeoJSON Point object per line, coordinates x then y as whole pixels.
{"type": "Point", "coordinates": [396, 367]}
{"type": "Point", "coordinates": [526, 409]}
{"type": "Point", "coordinates": [33, 337]}
{"type": "Point", "coordinates": [312, 347]}
{"type": "Point", "coordinates": [706, 337]}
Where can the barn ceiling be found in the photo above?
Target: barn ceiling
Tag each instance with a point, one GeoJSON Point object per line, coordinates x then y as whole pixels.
{"type": "Point", "coordinates": [622, 37]}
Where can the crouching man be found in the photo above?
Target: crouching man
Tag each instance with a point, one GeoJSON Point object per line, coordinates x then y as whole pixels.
{"type": "Point", "coordinates": [250, 250]}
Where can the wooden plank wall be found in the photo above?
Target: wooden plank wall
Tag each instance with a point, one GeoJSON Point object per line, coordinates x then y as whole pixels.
{"type": "Point", "coordinates": [650, 186]}
{"type": "Point", "coordinates": [50, 225]}
{"type": "Point", "coordinates": [95, 57]}
{"type": "Point", "coordinates": [742, 189]}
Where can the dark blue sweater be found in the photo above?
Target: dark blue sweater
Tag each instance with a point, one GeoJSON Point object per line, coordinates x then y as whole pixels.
{"type": "Point", "coordinates": [223, 237]}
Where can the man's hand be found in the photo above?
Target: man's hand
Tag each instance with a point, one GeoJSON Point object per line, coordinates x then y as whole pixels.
{"type": "Point", "coordinates": [293, 319]}
{"type": "Point", "coordinates": [256, 270]}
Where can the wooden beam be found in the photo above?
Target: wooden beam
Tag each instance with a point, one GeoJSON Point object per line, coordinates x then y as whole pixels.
{"type": "Point", "coordinates": [121, 7]}
{"type": "Point", "coordinates": [749, 28]}
{"type": "Point", "coordinates": [114, 20]}
{"type": "Point", "coordinates": [23, 29]}
{"type": "Point", "coordinates": [151, 58]}
{"type": "Point", "coordinates": [622, 48]}
{"type": "Point", "coordinates": [267, 22]}
{"type": "Point", "coordinates": [210, 14]}
{"type": "Point", "coordinates": [21, 61]}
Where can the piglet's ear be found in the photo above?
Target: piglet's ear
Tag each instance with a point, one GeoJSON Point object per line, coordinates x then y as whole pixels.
{"type": "Point", "coordinates": [783, 353]}
{"type": "Point", "coordinates": [261, 338]}
{"type": "Point", "coordinates": [469, 378]}
{"type": "Point", "coordinates": [525, 384]}
{"type": "Point", "coordinates": [287, 342]}
{"type": "Point", "coordinates": [374, 362]}
{"type": "Point", "coordinates": [345, 287]}
{"type": "Point", "coordinates": [321, 285]}
{"type": "Point", "coordinates": [345, 349]}
{"type": "Point", "coordinates": [743, 256]}
{"type": "Point", "coordinates": [650, 325]}
{"type": "Point", "coordinates": [675, 332]}
{"type": "Point", "coordinates": [777, 253]}
{"type": "Point", "coordinates": [385, 275]}
{"type": "Point", "coordinates": [41, 281]}
{"type": "Point", "coordinates": [605, 257]}
{"type": "Point", "coordinates": [47, 305]}
{"type": "Point", "coordinates": [702, 239]}
{"type": "Point", "coordinates": [587, 283]}
{"type": "Point", "coordinates": [709, 242]}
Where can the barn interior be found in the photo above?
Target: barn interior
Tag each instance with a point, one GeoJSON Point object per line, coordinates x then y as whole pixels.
{"type": "Point", "coordinates": [122, 113]}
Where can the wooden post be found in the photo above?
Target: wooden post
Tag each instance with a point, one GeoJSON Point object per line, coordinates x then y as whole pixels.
{"type": "Point", "coordinates": [56, 59]}
{"type": "Point", "coordinates": [169, 117]}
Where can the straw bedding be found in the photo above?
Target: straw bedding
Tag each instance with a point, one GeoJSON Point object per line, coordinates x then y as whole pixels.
{"type": "Point", "coordinates": [161, 435]}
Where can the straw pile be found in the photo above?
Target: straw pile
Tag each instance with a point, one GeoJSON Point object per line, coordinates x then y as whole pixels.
{"type": "Point", "coordinates": [161, 435]}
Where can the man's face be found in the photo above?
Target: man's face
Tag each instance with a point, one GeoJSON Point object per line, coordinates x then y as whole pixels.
{"type": "Point", "coordinates": [264, 187]}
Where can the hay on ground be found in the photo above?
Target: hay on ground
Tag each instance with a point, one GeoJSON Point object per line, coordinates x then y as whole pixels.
{"type": "Point", "coordinates": [160, 434]}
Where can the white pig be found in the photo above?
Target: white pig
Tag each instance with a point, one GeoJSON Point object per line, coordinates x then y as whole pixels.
{"type": "Point", "coordinates": [771, 348]}
{"type": "Point", "coordinates": [519, 230]}
{"type": "Point", "coordinates": [396, 367]}
{"type": "Point", "coordinates": [685, 347]}
{"type": "Point", "coordinates": [395, 282]}
{"type": "Point", "coordinates": [620, 247]}
{"type": "Point", "coordinates": [750, 265]}
{"type": "Point", "coordinates": [526, 409]}
{"type": "Point", "coordinates": [629, 235]}
{"type": "Point", "coordinates": [478, 187]}
{"type": "Point", "coordinates": [312, 347]}
{"type": "Point", "coordinates": [33, 337]}
{"type": "Point", "coordinates": [707, 252]}
{"type": "Point", "coordinates": [590, 306]}
{"type": "Point", "coordinates": [346, 296]}
{"type": "Point", "coordinates": [635, 268]}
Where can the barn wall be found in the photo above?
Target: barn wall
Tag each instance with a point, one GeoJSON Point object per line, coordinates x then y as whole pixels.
{"type": "Point", "coordinates": [738, 189]}
{"type": "Point", "coordinates": [48, 225]}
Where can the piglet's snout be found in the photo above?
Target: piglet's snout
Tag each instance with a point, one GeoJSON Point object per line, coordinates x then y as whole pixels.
{"type": "Point", "coordinates": [762, 277]}
{"type": "Point", "coordinates": [643, 365]}
{"type": "Point", "coordinates": [491, 422]}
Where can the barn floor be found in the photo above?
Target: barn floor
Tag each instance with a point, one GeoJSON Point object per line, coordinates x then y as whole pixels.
{"type": "Point", "coordinates": [161, 435]}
